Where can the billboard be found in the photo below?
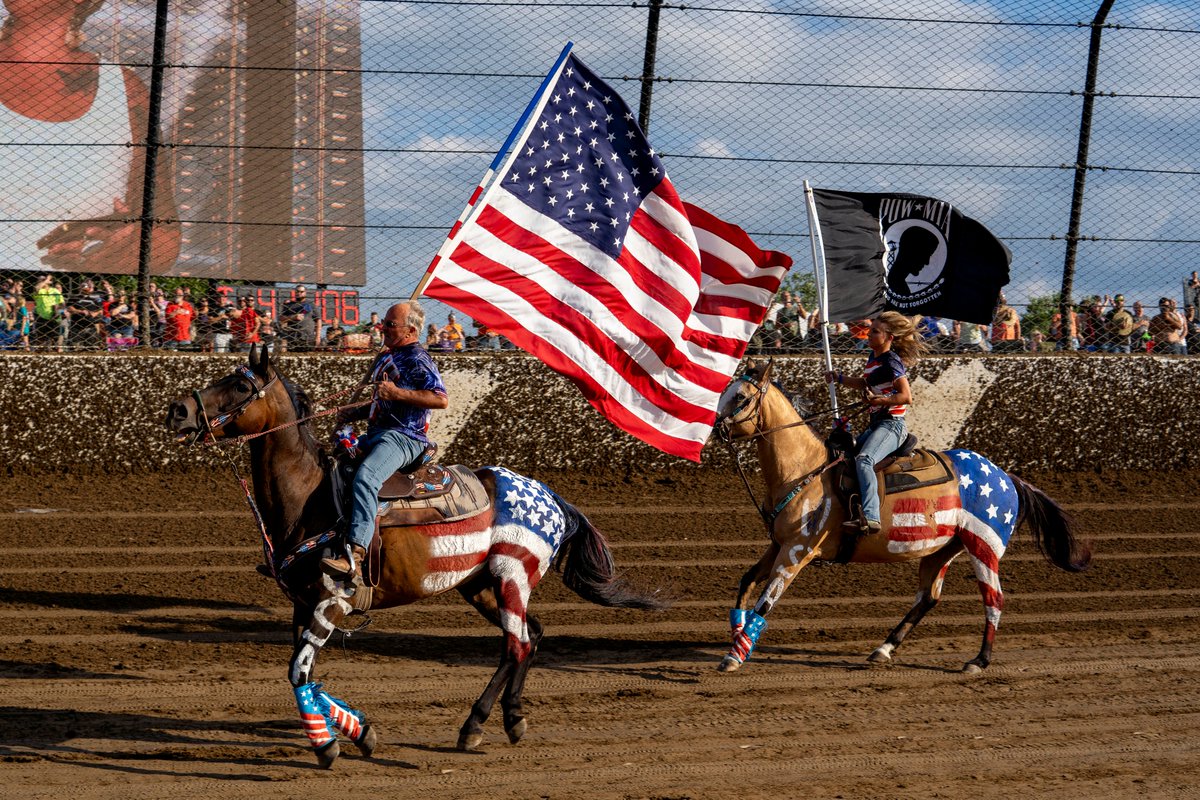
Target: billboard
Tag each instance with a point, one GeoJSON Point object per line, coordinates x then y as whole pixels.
{"type": "Point", "coordinates": [261, 178]}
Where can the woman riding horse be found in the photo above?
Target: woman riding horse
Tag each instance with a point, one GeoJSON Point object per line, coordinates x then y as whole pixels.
{"type": "Point", "coordinates": [895, 347]}
{"type": "Point", "coordinates": [493, 555]}
{"type": "Point", "coordinates": [974, 510]}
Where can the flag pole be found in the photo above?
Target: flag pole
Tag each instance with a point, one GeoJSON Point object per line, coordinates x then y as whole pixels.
{"type": "Point", "coordinates": [818, 256]}
{"type": "Point", "coordinates": [534, 103]}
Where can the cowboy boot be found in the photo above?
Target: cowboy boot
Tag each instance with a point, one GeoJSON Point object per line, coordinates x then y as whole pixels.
{"type": "Point", "coordinates": [855, 521]}
{"type": "Point", "coordinates": [346, 567]}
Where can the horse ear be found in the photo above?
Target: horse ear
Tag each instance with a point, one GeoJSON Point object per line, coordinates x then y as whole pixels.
{"type": "Point", "coordinates": [264, 362]}
{"type": "Point", "coordinates": [253, 357]}
{"type": "Point", "coordinates": [766, 372]}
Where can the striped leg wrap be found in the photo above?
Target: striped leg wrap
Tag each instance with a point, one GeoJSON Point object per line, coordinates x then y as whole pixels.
{"type": "Point", "coordinates": [737, 621]}
{"type": "Point", "coordinates": [316, 726]}
{"type": "Point", "coordinates": [342, 717]}
{"type": "Point", "coordinates": [745, 639]}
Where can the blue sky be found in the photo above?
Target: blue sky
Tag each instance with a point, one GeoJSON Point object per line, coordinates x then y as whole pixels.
{"type": "Point", "coordinates": [743, 150]}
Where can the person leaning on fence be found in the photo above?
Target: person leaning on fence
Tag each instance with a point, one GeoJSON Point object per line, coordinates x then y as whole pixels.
{"type": "Point", "coordinates": [1119, 325]}
{"type": "Point", "coordinates": [1192, 336]}
{"type": "Point", "coordinates": [86, 310]}
{"type": "Point", "coordinates": [244, 323]}
{"type": "Point", "coordinates": [895, 346]}
{"type": "Point", "coordinates": [1168, 329]}
{"type": "Point", "coordinates": [407, 387]}
{"type": "Point", "coordinates": [1006, 328]}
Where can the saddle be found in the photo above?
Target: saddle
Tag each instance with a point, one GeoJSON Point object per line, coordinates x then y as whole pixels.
{"type": "Point", "coordinates": [906, 468]}
{"type": "Point", "coordinates": [421, 493]}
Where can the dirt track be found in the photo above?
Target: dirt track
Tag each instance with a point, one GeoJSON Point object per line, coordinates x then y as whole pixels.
{"type": "Point", "coordinates": [144, 658]}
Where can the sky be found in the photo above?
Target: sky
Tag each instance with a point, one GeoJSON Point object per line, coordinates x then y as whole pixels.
{"type": "Point", "coordinates": [761, 96]}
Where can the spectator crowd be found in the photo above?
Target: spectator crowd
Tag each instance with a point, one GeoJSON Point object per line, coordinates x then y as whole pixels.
{"type": "Point", "coordinates": [98, 316]}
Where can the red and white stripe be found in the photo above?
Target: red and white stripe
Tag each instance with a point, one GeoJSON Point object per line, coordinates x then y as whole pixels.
{"type": "Point", "coordinates": [345, 722]}
{"type": "Point", "coordinates": [316, 729]}
{"type": "Point", "coordinates": [518, 559]}
{"type": "Point", "coordinates": [985, 549]}
{"type": "Point", "coordinates": [457, 551]}
{"type": "Point", "coordinates": [913, 531]}
{"type": "Point", "coordinates": [651, 337]}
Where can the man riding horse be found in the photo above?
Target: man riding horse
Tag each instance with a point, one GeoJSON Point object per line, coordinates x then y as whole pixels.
{"type": "Point", "coordinates": [407, 386]}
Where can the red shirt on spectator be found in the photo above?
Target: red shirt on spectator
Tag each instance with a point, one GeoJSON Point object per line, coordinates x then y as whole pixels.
{"type": "Point", "coordinates": [244, 327]}
{"type": "Point", "coordinates": [179, 321]}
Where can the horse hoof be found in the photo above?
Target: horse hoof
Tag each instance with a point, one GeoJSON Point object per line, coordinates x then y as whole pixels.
{"type": "Point", "coordinates": [729, 664]}
{"type": "Point", "coordinates": [517, 731]}
{"type": "Point", "coordinates": [368, 742]}
{"type": "Point", "coordinates": [469, 741]}
{"type": "Point", "coordinates": [328, 754]}
{"type": "Point", "coordinates": [879, 657]}
{"type": "Point", "coordinates": [971, 668]}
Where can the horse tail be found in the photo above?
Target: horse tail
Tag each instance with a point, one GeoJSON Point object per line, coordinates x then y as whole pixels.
{"type": "Point", "coordinates": [587, 568]}
{"type": "Point", "coordinates": [1054, 530]}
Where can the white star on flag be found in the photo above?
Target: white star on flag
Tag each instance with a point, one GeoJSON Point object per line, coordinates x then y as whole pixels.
{"type": "Point", "coordinates": [644, 301]}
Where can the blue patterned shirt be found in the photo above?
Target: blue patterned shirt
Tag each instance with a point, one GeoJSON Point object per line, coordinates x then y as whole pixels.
{"type": "Point", "coordinates": [409, 367]}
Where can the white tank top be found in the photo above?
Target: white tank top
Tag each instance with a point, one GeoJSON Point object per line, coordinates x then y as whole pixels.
{"type": "Point", "coordinates": [74, 172]}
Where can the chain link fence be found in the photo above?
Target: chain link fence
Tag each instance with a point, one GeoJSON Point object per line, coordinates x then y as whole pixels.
{"type": "Point", "coordinates": [330, 144]}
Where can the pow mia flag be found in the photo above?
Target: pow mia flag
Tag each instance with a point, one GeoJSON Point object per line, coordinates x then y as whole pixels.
{"type": "Point", "coordinates": [912, 254]}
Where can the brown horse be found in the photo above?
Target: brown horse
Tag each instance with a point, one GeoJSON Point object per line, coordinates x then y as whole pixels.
{"type": "Point", "coordinates": [974, 509]}
{"type": "Point", "coordinates": [494, 556]}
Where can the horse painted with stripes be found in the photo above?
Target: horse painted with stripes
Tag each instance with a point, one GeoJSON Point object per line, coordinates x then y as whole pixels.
{"type": "Point", "coordinates": [494, 558]}
{"type": "Point", "coordinates": [976, 513]}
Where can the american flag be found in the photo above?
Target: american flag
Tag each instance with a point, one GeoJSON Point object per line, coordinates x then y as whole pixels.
{"type": "Point", "coordinates": [516, 545]}
{"type": "Point", "coordinates": [982, 513]}
{"type": "Point", "coordinates": [582, 253]}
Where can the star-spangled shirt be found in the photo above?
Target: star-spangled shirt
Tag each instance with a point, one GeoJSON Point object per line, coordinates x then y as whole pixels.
{"type": "Point", "coordinates": [525, 502]}
{"type": "Point", "coordinates": [585, 163]}
{"type": "Point", "coordinates": [986, 492]}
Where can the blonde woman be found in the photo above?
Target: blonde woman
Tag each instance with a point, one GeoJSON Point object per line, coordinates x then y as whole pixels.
{"type": "Point", "coordinates": [895, 346]}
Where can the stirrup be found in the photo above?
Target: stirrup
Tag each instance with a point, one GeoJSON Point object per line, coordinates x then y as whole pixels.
{"type": "Point", "coordinates": [346, 566]}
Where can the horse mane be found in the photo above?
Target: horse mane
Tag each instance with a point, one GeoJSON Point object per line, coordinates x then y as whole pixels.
{"type": "Point", "coordinates": [303, 408]}
{"type": "Point", "coordinates": [804, 407]}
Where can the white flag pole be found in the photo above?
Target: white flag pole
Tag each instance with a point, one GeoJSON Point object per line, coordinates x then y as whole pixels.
{"type": "Point", "coordinates": [506, 151]}
{"type": "Point", "coordinates": [818, 256]}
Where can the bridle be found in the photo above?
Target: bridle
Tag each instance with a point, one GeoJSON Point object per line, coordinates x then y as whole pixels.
{"type": "Point", "coordinates": [276, 565]}
{"type": "Point", "coordinates": [724, 428]}
{"type": "Point", "coordinates": [258, 391]}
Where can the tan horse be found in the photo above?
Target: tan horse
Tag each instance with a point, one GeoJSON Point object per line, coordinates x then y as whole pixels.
{"type": "Point", "coordinates": [976, 512]}
{"type": "Point", "coordinates": [494, 556]}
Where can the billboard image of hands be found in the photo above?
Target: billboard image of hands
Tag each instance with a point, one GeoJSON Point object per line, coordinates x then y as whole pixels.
{"type": "Point", "coordinates": [260, 176]}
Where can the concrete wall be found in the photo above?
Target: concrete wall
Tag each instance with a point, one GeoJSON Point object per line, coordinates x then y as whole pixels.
{"type": "Point", "coordinates": [104, 413]}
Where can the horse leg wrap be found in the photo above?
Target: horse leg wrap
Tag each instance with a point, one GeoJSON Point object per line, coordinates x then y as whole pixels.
{"type": "Point", "coordinates": [737, 621]}
{"type": "Point", "coordinates": [316, 723]}
{"type": "Point", "coordinates": [341, 716]}
{"type": "Point", "coordinates": [745, 639]}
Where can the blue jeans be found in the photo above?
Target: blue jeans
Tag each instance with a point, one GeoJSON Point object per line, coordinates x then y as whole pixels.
{"type": "Point", "coordinates": [387, 451]}
{"type": "Point", "coordinates": [875, 445]}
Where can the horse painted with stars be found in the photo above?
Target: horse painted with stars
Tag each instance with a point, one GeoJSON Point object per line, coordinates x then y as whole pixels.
{"type": "Point", "coordinates": [493, 558]}
{"type": "Point", "coordinates": [975, 513]}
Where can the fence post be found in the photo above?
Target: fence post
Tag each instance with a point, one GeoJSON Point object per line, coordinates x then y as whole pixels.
{"type": "Point", "coordinates": [1081, 166]}
{"type": "Point", "coordinates": [648, 66]}
{"type": "Point", "coordinates": [153, 143]}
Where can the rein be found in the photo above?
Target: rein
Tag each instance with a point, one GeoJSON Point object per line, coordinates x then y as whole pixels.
{"type": "Point", "coordinates": [210, 440]}
{"type": "Point", "coordinates": [276, 566]}
{"type": "Point", "coordinates": [769, 517]}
